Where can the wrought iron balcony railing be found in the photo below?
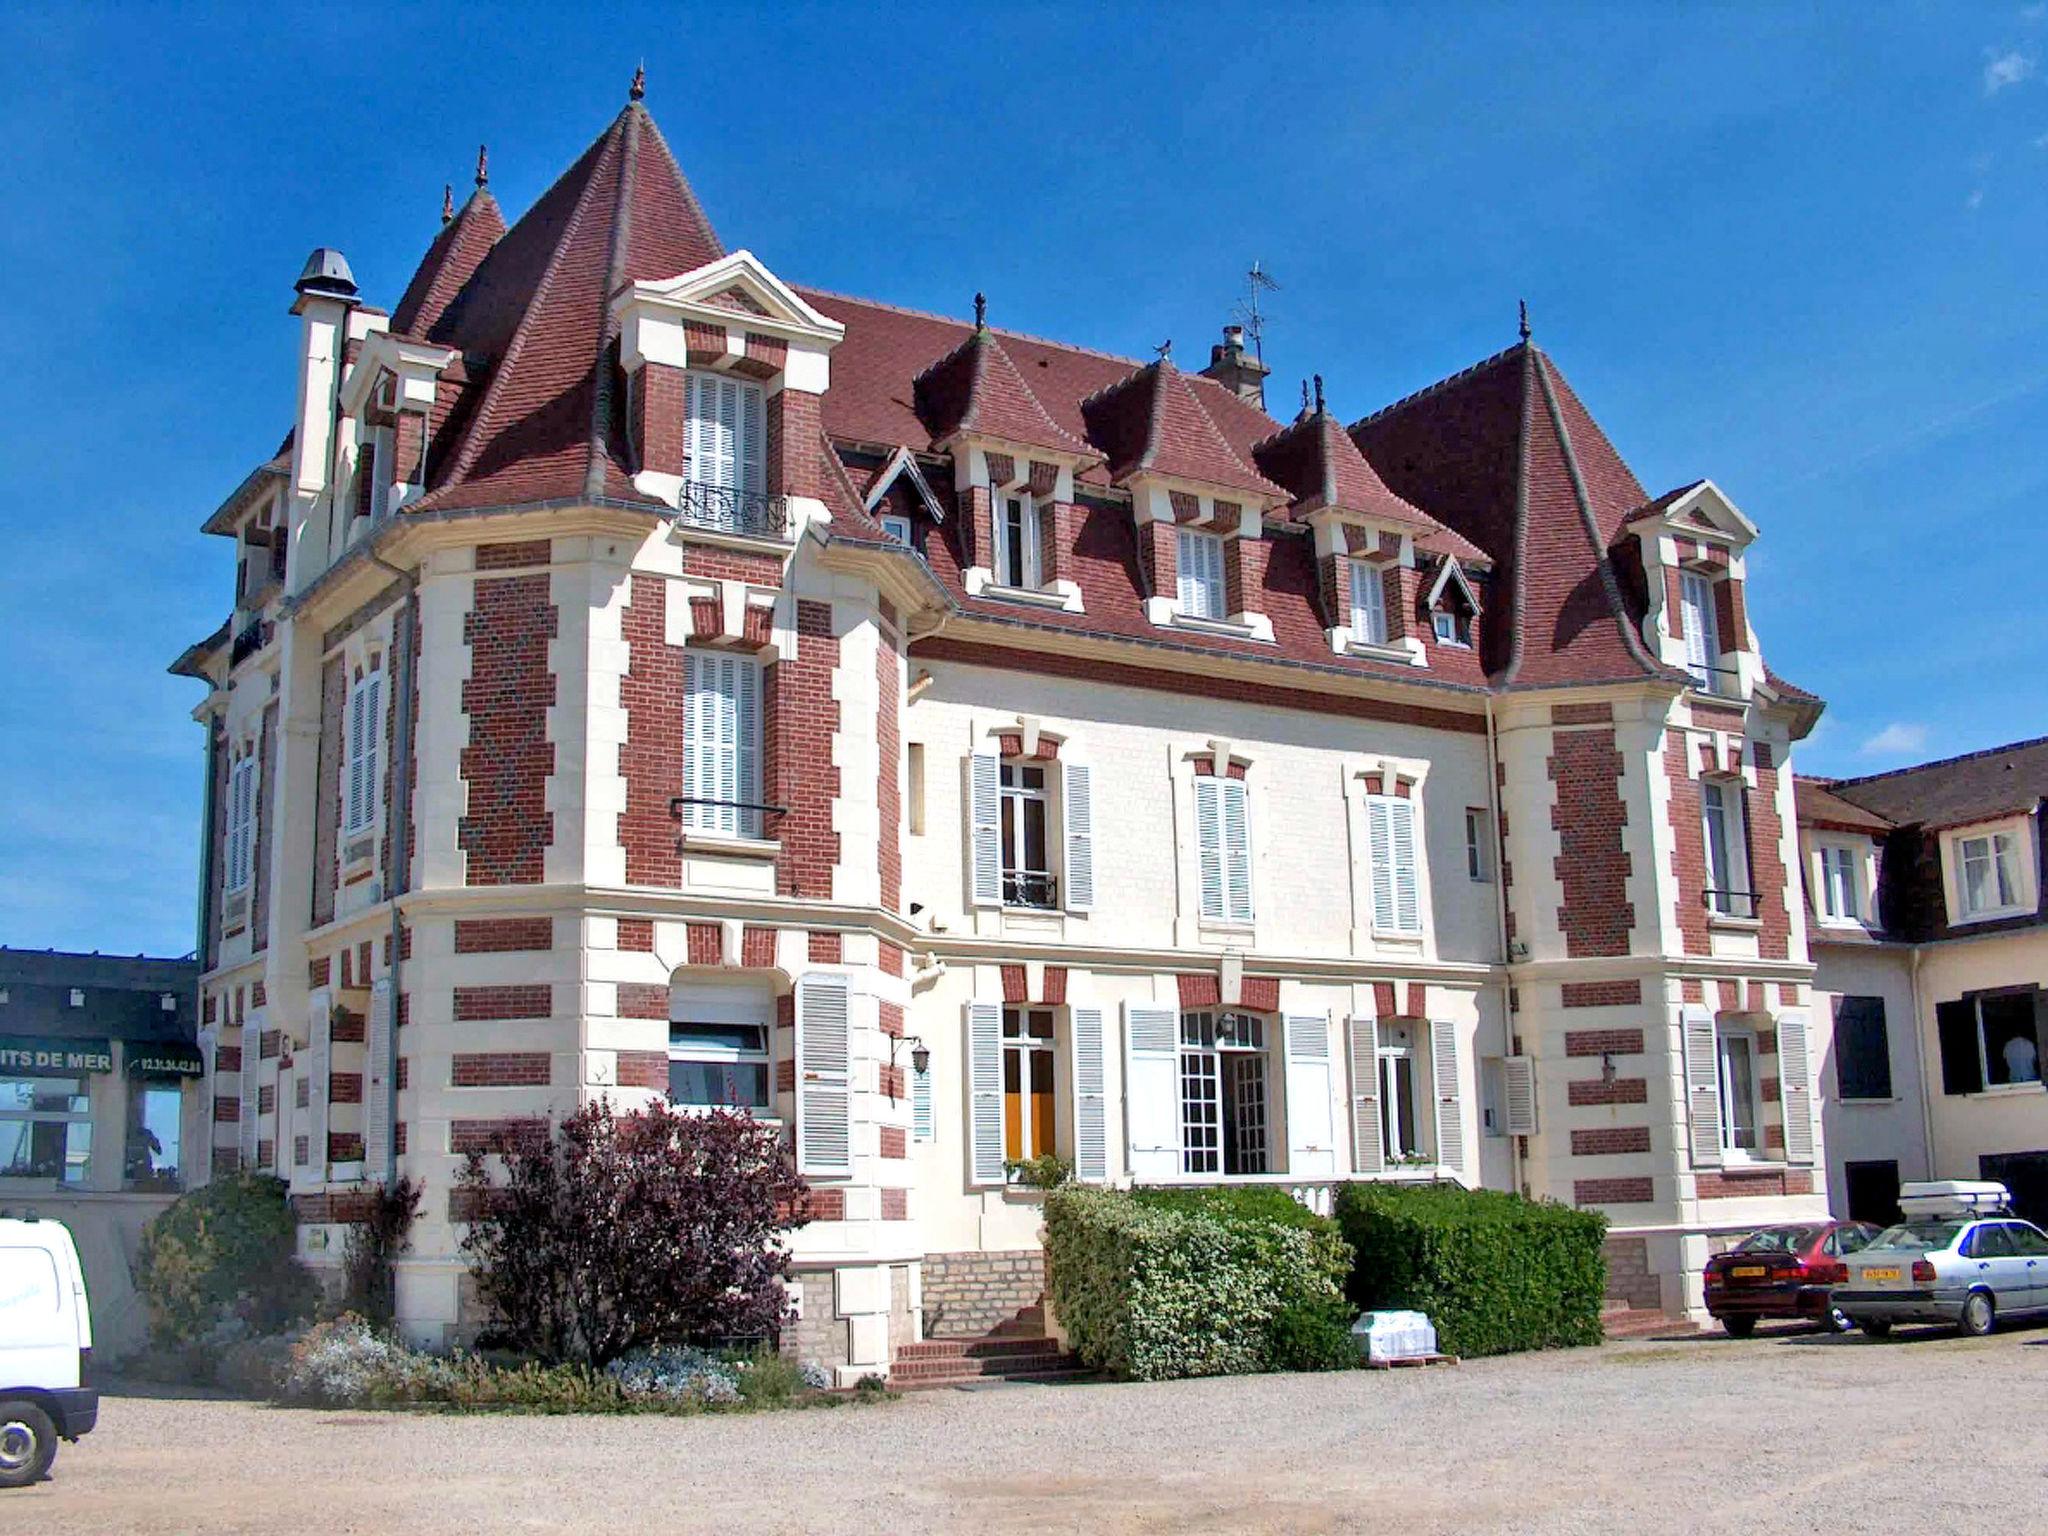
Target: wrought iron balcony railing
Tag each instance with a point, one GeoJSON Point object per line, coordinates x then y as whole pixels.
{"type": "Point", "coordinates": [1730, 903]}
{"type": "Point", "coordinates": [1030, 888]}
{"type": "Point", "coordinates": [1722, 682]}
{"type": "Point", "coordinates": [722, 509]}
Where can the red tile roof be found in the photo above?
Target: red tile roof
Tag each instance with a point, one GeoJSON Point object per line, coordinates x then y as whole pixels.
{"type": "Point", "coordinates": [977, 388]}
{"type": "Point", "coordinates": [1152, 421]}
{"type": "Point", "coordinates": [1819, 806]}
{"type": "Point", "coordinates": [451, 261]}
{"type": "Point", "coordinates": [1321, 467]}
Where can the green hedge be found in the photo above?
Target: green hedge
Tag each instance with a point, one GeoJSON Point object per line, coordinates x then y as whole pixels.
{"type": "Point", "coordinates": [1496, 1273]}
{"type": "Point", "coordinates": [1168, 1283]}
{"type": "Point", "coordinates": [223, 1253]}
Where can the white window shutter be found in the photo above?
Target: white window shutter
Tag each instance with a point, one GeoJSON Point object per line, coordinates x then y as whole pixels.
{"type": "Point", "coordinates": [1407, 879]}
{"type": "Point", "coordinates": [252, 1053]}
{"type": "Point", "coordinates": [696, 733]}
{"type": "Point", "coordinates": [921, 1104]}
{"type": "Point", "coordinates": [1795, 1085]}
{"type": "Point", "coordinates": [1091, 1131]}
{"type": "Point", "coordinates": [1518, 1075]}
{"type": "Point", "coordinates": [1380, 847]}
{"type": "Point", "coordinates": [1702, 1085]}
{"type": "Point", "coordinates": [753, 473]}
{"type": "Point", "coordinates": [1448, 1081]}
{"type": "Point", "coordinates": [1237, 850]}
{"type": "Point", "coordinates": [1368, 1146]}
{"type": "Point", "coordinates": [1078, 796]}
{"type": "Point", "coordinates": [726, 438]}
{"type": "Point", "coordinates": [377, 1085]}
{"type": "Point", "coordinates": [1152, 1091]}
{"type": "Point", "coordinates": [1209, 843]}
{"type": "Point", "coordinates": [824, 1072]}
{"type": "Point", "coordinates": [984, 829]}
{"type": "Point", "coordinates": [1311, 1122]}
{"type": "Point", "coordinates": [373, 743]}
{"type": "Point", "coordinates": [1368, 603]}
{"type": "Point", "coordinates": [746, 707]}
{"type": "Point", "coordinates": [985, 1092]}
{"type": "Point", "coordinates": [695, 446]}
{"type": "Point", "coordinates": [354, 818]}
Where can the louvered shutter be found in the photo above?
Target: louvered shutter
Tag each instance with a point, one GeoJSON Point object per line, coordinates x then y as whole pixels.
{"type": "Point", "coordinates": [824, 1071]}
{"type": "Point", "coordinates": [373, 745]}
{"type": "Point", "coordinates": [985, 829]}
{"type": "Point", "coordinates": [1448, 1080]}
{"type": "Point", "coordinates": [753, 468]}
{"type": "Point", "coordinates": [252, 1063]}
{"type": "Point", "coordinates": [1209, 843]}
{"type": "Point", "coordinates": [354, 818]}
{"type": "Point", "coordinates": [316, 1059]}
{"type": "Point", "coordinates": [725, 436]}
{"type": "Point", "coordinates": [700, 760]}
{"type": "Point", "coordinates": [726, 740]}
{"type": "Point", "coordinates": [985, 1092]}
{"type": "Point", "coordinates": [1407, 878]}
{"type": "Point", "coordinates": [1795, 1083]}
{"type": "Point", "coordinates": [1368, 1146]}
{"type": "Point", "coordinates": [1091, 1129]}
{"type": "Point", "coordinates": [1078, 797]}
{"type": "Point", "coordinates": [1701, 646]}
{"type": "Point", "coordinates": [1518, 1075]}
{"type": "Point", "coordinates": [1380, 849]}
{"type": "Point", "coordinates": [1702, 1085]}
{"type": "Point", "coordinates": [1311, 1123]}
{"type": "Point", "coordinates": [1368, 604]}
{"type": "Point", "coordinates": [746, 702]}
{"type": "Point", "coordinates": [922, 1126]}
{"type": "Point", "coordinates": [377, 1084]}
{"type": "Point", "coordinates": [1151, 1092]}
{"type": "Point", "coordinates": [696, 429]}
{"type": "Point", "coordinates": [1237, 850]}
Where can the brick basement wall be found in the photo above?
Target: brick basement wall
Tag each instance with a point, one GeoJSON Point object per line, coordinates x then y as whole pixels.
{"type": "Point", "coordinates": [1628, 1273]}
{"type": "Point", "coordinates": [971, 1293]}
{"type": "Point", "coordinates": [1592, 863]}
{"type": "Point", "coordinates": [508, 827]}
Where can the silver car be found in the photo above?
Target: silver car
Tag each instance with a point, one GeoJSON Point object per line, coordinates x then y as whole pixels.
{"type": "Point", "coordinates": [1947, 1269]}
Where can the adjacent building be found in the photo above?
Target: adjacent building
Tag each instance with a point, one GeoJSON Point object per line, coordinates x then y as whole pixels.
{"type": "Point", "coordinates": [648, 675]}
{"type": "Point", "coordinates": [1931, 946]}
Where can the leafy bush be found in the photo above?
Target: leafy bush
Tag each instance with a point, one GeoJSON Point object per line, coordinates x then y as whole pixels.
{"type": "Point", "coordinates": [619, 1232]}
{"type": "Point", "coordinates": [1495, 1272]}
{"type": "Point", "coordinates": [678, 1373]}
{"type": "Point", "coordinates": [223, 1253]}
{"type": "Point", "coordinates": [373, 1245]}
{"type": "Point", "coordinates": [1045, 1172]}
{"type": "Point", "coordinates": [1236, 1202]}
{"type": "Point", "coordinates": [1173, 1283]}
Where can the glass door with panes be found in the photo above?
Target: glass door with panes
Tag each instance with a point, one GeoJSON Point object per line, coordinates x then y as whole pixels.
{"type": "Point", "coordinates": [1225, 1117]}
{"type": "Point", "coordinates": [1398, 1124]}
{"type": "Point", "coordinates": [1027, 871]}
{"type": "Point", "coordinates": [1028, 1053]}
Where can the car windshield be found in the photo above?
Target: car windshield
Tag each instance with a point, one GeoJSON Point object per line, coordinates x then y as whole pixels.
{"type": "Point", "coordinates": [1919, 1234]}
{"type": "Point", "coordinates": [1777, 1240]}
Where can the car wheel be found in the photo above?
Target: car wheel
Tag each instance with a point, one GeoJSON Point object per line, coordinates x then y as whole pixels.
{"type": "Point", "coordinates": [1739, 1327]}
{"type": "Point", "coordinates": [1876, 1327]}
{"type": "Point", "coordinates": [1837, 1321]}
{"type": "Point", "coordinates": [1980, 1315]}
{"type": "Point", "coordinates": [28, 1443]}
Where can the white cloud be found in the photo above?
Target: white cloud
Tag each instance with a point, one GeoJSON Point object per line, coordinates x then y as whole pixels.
{"type": "Point", "coordinates": [2004, 69]}
{"type": "Point", "coordinates": [1898, 739]}
{"type": "Point", "coordinates": [1975, 200]}
{"type": "Point", "coordinates": [2041, 142]}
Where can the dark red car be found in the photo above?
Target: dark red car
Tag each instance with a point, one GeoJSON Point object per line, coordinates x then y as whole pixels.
{"type": "Point", "coordinates": [1783, 1272]}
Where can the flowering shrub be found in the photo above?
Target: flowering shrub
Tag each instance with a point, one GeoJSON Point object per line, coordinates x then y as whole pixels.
{"type": "Point", "coordinates": [814, 1376]}
{"type": "Point", "coordinates": [346, 1362]}
{"type": "Point", "coordinates": [678, 1373]}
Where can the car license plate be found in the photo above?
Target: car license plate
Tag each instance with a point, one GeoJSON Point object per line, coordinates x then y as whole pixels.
{"type": "Point", "coordinates": [1747, 1271]}
{"type": "Point", "coordinates": [1874, 1272]}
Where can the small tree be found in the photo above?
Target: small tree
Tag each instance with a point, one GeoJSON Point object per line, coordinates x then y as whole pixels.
{"type": "Point", "coordinates": [623, 1230]}
{"type": "Point", "coordinates": [223, 1251]}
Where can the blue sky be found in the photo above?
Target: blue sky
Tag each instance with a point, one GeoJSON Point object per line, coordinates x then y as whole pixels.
{"type": "Point", "coordinates": [1799, 252]}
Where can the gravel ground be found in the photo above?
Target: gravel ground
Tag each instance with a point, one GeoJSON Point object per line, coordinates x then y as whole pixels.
{"type": "Point", "coordinates": [1924, 1434]}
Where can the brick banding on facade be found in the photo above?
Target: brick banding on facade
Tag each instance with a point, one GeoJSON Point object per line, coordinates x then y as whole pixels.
{"type": "Point", "coordinates": [636, 934]}
{"type": "Point", "coordinates": [1610, 1141]}
{"type": "Point", "coordinates": [503, 935]}
{"type": "Point", "coordinates": [1593, 861]}
{"type": "Point", "coordinates": [520, 1000]}
{"type": "Point", "coordinates": [803, 719]}
{"type": "Point", "coordinates": [1601, 1042]}
{"type": "Point", "coordinates": [345, 1088]}
{"type": "Point", "coordinates": [1728, 1185]}
{"type": "Point", "coordinates": [643, 1069]}
{"type": "Point", "coordinates": [643, 1000]}
{"type": "Point", "coordinates": [1584, 1092]}
{"type": "Point", "coordinates": [1601, 994]}
{"type": "Point", "coordinates": [500, 1135]}
{"type": "Point", "coordinates": [757, 948]}
{"type": "Point", "coordinates": [1613, 1191]}
{"type": "Point", "coordinates": [500, 1069]}
{"type": "Point", "coordinates": [895, 1142]}
{"type": "Point", "coordinates": [826, 949]}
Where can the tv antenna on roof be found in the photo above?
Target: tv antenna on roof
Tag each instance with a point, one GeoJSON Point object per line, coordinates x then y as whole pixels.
{"type": "Point", "coordinates": [1257, 281]}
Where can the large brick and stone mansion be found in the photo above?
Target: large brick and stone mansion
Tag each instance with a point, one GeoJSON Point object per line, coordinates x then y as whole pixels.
{"type": "Point", "coordinates": [647, 675]}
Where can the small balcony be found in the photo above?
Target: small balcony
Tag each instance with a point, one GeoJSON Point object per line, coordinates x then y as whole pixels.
{"type": "Point", "coordinates": [1033, 889]}
{"type": "Point", "coordinates": [1736, 904]}
{"type": "Point", "coordinates": [722, 509]}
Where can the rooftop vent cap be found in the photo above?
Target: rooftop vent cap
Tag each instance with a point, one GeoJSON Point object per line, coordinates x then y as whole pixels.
{"type": "Point", "coordinates": [326, 273]}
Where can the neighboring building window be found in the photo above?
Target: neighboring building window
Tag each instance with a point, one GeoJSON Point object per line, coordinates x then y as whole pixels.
{"type": "Point", "coordinates": [1839, 894]}
{"type": "Point", "coordinates": [724, 436]}
{"type": "Point", "coordinates": [897, 526]}
{"type": "Point", "coordinates": [1027, 809]}
{"type": "Point", "coordinates": [1223, 848]}
{"type": "Point", "coordinates": [241, 822]}
{"type": "Point", "coordinates": [1398, 1121]}
{"type": "Point", "coordinates": [1727, 840]}
{"type": "Point", "coordinates": [1368, 604]}
{"type": "Point", "coordinates": [1702, 627]}
{"type": "Point", "coordinates": [1478, 844]}
{"type": "Point", "coordinates": [1452, 628]}
{"type": "Point", "coordinates": [1223, 1085]}
{"type": "Point", "coordinates": [1017, 541]}
{"type": "Point", "coordinates": [1201, 575]}
{"type": "Point", "coordinates": [155, 1115]}
{"type": "Point", "coordinates": [365, 750]}
{"type": "Point", "coordinates": [1027, 1083]}
{"type": "Point", "coordinates": [722, 744]}
{"type": "Point", "coordinates": [1992, 1040]}
{"type": "Point", "coordinates": [1739, 1098]}
{"type": "Point", "coordinates": [1396, 877]}
{"type": "Point", "coordinates": [45, 1128]}
{"type": "Point", "coordinates": [1988, 871]}
{"type": "Point", "coordinates": [1863, 1053]}
{"type": "Point", "coordinates": [718, 1051]}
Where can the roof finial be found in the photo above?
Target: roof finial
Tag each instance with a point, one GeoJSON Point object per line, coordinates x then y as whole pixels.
{"type": "Point", "coordinates": [1164, 351]}
{"type": "Point", "coordinates": [483, 166]}
{"type": "Point", "coordinates": [981, 311]}
{"type": "Point", "coordinates": [447, 202]}
{"type": "Point", "coordinates": [1524, 303]}
{"type": "Point", "coordinates": [1304, 397]}
{"type": "Point", "coordinates": [638, 88]}
{"type": "Point", "coordinates": [1319, 394]}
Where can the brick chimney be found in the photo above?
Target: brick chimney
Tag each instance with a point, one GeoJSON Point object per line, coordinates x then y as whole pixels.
{"type": "Point", "coordinates": [1236, 369]}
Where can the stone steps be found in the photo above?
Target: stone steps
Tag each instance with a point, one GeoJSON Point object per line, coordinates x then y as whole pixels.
{"type": "Point", "coordinates": [1007, 1353]}
{"type": "Point", "coordinates": [1618, 1320]}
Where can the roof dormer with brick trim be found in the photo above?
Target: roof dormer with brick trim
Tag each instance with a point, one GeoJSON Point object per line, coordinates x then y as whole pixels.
{"type": "Point", "coordinates": [388, 398]}
{"type": "Point", "coordinates": [1692, 542]}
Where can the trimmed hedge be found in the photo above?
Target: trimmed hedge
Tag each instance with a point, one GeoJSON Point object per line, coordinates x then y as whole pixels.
{"type": "Point", "coordinates": [1495, 1272]}
{"type": "Point", "coordinates": [1166, 1283]}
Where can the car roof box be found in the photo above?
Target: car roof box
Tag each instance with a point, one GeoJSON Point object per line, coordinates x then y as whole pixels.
{"type": "Point", "coordinates": [1954, 1197]}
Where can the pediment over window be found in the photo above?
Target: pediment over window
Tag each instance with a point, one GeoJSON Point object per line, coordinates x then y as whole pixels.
{"type": "Point", "coordinates": [903, 465]}
{"type": "Point", "coordinates": [736, 290]}
{"type": "Point", "coordinates": [1699, 511]}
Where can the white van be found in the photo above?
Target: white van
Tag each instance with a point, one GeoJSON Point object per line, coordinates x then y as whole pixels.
{"type": "Point", "coordinates": [45, 1348]}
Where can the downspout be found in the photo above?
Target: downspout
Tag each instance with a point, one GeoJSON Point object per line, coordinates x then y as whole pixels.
{"type": "Point", "coordinates": [398, 859]}
{"type": "Point", "coordinates": [1500, 923]}
{"type": "Point", "coordinates": [1920, 1060]}
{"type": "Point", "coordinates": [208, 873]}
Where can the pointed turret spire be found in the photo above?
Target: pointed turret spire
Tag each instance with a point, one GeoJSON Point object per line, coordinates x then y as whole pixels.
{"type": "Point", "coordinates": [981, 311]}
{"type": "Point", "coordinates": [1319, 394]}
{"type": "Point", "coordinates": [638, 88]}
{"type": "Point", "coordinates": [447, 202]}
{"type": "Point", "coordinates": [1524, 306]}
{"type": "Point", "coordinates": [483, 166]}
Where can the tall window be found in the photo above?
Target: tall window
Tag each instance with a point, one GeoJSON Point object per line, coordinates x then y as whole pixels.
{"type": "Point", "coordinates": [721, 744]}
{"type": "Point", "coordinates": [1399, 1135]}
{"type": "Point", "coordinates": [1396, 880]}
{"type": "Point", "coordinates": [1702, 627]}
{"type": "Point", "coordinates": [241, 822]}
{"type": "Point", "coordinates": [1727, 842]}
{"type": "Point", "coordinates": [1201, 574]}
{"type": "Point", "coordinates": [1017, 541]}
{"type": "Point", "coordinates": [1368, 604]}
{"type": "Point", "coordinates": [1027, 868]}
{"type": "Point", "coordinates": [1224, 1123]}
{"type": "Point", "coordinates": [724, 437]}
{"type": "Point", "coordinates": [365, 749]}
{"type": "Point", "coordinates": [155, 1112]}
{"type": "Point", "coordinates": [45, 1129]}
{"type": "Point", "coordinates": [1989, 871]}
{"type": "Point", "coordinates": [1863, 1055]}
{"type": "Point", "coordinates": [1478, 844]}
{"type": "Point", "coordinates": [1739, 1132]}
{"type": "Point", "coordinates": [1223, 843]}
{"type": "Point", "coordinates": [1027, 1083]}
{"type": "Point", "coordinates": [1838, 884]}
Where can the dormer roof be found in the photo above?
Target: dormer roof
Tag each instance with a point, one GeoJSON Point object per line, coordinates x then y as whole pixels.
{"type": "Point", "coordinates": [1322, 469]}
{"type": "Point", "coordinates": [1152, 422]}
{"type": "Point", "coordinates": [451, 261]}
{"type": "Point", "coordinates": [978, 389]}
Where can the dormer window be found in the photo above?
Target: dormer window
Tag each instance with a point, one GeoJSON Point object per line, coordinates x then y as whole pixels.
{"type": "Point", "coordinates": [1018, 543]}
{"type": "Point", "coordinates": [1452, 628]}
{"type": "Point", "coordinates": [1368, 604]}
{"type": "Point", "coordinates": [1988, 873]}
{"type": "Point", "coordinates": [897, 526]}
{"type": "Point", "coordinates": [1200, 563]}
{"type": "Point", "coordinates": [1725, 828]}
{"type": "Point", "coordinates": [1841, 899]}
{"type": "Point", "coordinates": [726, 469]}
{"type": "Point", "coordinates": [1702, 630]}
